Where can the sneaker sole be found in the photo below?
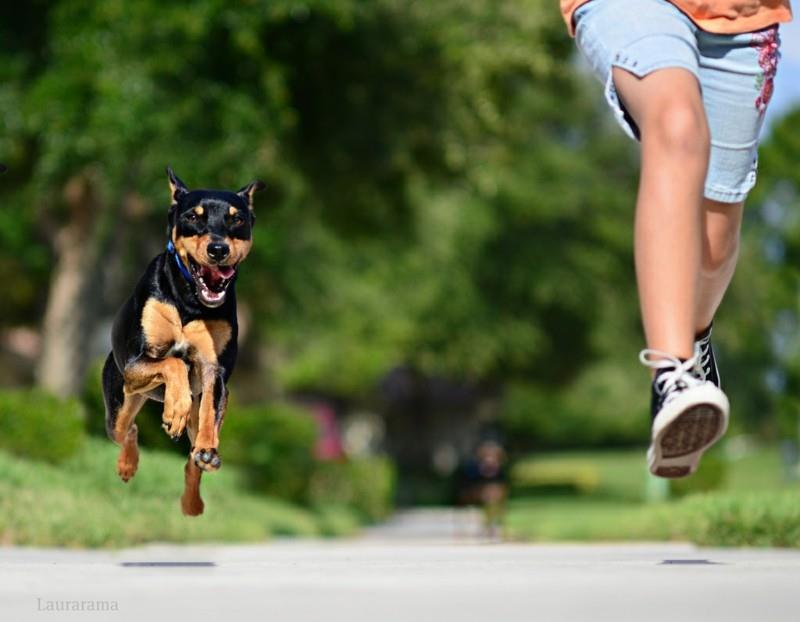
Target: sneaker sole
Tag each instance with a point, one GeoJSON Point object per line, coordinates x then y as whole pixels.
{"type": "Point", "coordinates": [685, 429]}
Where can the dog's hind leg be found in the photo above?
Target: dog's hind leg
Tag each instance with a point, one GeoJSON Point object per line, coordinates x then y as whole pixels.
{"type": "Point", "coordinates": [113, 393]}
{"type": "Point", "coordinates": [121, 410]}
{"type": "Point", "coordinates": [191, 502]}
{"type": "Point", "coordinates": [128, 459]}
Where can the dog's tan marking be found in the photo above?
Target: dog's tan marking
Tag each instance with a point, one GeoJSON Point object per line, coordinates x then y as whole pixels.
{"type": "Point", "coordinates": [207, 437]}
{"type": "Point", "coordinates": [128, 460]}
{"type": "Point", "coordinates": [208, 337]}
{"type": "Point", "coordinates": [195, 246]}
{"type": "Point", "coordinates": [191, 501]}
{"type": "Point", "coordinates": [144, 376]}
{"type": "Point", "coordinates": [232, 211]}
{"type": "Point", "coordinates": [194, 421]}
{"type": "Point", "coordinates": [131, 405]}
{"type": "Point", "coordinates": [239, 249]}
{"type": "Point", "coordinates": [173, 190]}
{"type": "Point", "coordinates": [161, 325]}
{"type": "Point", "coordinates": [250, 190]}
{"type": "Point", "coordinates": [177, 397]}
{"type": "Point", "coordinates": [199, 210]}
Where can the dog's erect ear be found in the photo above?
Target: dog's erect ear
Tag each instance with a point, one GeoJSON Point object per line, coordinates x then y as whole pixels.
{"type": "Point", "coordinates": [171, 220]}
{"type": "Point", "coordinates": [249, 190]}
{"type": "Point", "coordinates": [176, 187]}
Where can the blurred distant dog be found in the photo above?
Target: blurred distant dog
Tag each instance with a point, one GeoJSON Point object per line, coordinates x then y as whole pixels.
{"type": "Point", "coordinates": [174, 339]}
{"type": "Point", "coordinates": [484, 482]}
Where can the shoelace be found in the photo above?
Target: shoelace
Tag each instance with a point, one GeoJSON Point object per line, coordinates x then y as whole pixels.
{"type": "Point", "coordinates": [679, 374]}
{"type": "Point", "coordinates": [705, 354]}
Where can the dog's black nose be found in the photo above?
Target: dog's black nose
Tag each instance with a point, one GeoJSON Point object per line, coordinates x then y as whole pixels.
{"type": "Point", "coordinates": [218, 251]}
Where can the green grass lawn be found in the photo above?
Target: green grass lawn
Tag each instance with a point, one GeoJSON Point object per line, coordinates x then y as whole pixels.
{"type": "Point", "coordinates": [574, 518]}
{"type": "Point", "coordinates": [82, 502]}
{"type": "Point", "coordinates": [602, 497]}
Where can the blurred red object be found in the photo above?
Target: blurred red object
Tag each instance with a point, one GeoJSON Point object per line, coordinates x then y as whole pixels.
{"type": "Point", "coordinates": [329, 440]}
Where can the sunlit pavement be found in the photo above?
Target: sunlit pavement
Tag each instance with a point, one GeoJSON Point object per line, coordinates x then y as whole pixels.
{"type": "Point", "coordinates": [422, 566]}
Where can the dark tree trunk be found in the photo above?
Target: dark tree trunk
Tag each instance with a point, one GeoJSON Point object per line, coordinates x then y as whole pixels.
{"type": "Point", "coordinates": [71, 307]}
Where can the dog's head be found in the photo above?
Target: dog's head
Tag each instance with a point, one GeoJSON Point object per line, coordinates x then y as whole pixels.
{"type": "Point", "coordinates": [211, 231]}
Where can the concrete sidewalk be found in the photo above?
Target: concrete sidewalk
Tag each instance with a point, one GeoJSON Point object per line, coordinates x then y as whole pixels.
{"type": "Point", "coordinates": [408, 579]}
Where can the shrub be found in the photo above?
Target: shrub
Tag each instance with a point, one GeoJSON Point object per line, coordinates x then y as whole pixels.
{"type": "Point", "coordinates": [573, 476]}
{"type": "Point", "coordinates": [603, 406]}
{"type": "Point", "coordinates": [734, 519]}
{"type": "Point", "coordinates": [337, 520]}
{"type": "Point", "coordinates": [93, 399]}
{"type": "Point", "coordinates": [41, 426]}
{"type": "Point", "coordinates": [82, 502]}
{"type": "Point", "coordinates": [711, 477]}
{"type": "Point", "coordinates": [366, 484]}
{"type": "Point", "coordinates": [274, 443]}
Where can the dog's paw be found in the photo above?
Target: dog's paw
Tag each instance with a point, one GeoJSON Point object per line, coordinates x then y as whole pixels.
{"type": "Point", "coordinates": [192, 505]}
{"type": "Point", "coordinates": [207, 459]}
{"type": "Point", "coordinates": [176, 414]}
{"type": "Point", "coordinates": [175, 426]}
{"type": "Point", "coordinates": [127, 464]}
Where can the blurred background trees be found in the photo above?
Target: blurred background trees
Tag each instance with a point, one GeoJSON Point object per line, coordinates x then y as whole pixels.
{"type": "Point", "coordinates": [445, 243]}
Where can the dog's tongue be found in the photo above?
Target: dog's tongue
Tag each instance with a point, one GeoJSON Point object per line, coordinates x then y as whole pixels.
{"type": "Point", "coordinates": [226, 271]}
{"type": "Point", "coordinates": [214, 275]}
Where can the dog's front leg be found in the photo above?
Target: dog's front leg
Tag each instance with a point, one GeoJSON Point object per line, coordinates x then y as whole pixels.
{"type": "Point", "coordinates": [212, 409]}
{"type": "Point", "coordinates": [177, 397]}
{"type": "Point", "coordinates": [146, 374]}
{"type": "Point", "coordinates": [139, 377]}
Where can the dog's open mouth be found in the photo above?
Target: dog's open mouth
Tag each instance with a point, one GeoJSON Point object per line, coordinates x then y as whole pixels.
{"type": "Point", "coordinates": [211, 281]}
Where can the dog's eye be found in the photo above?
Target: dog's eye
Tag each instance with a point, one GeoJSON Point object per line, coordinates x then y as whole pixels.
{"type": "Point", "coordinates": [192, 217]}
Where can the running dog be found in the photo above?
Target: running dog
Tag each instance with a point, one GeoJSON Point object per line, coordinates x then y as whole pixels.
{"type": "Point", "coordinates": [174, 339]}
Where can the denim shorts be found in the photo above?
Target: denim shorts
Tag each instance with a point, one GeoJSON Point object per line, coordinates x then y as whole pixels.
{"type": "Point", "coordinates": [735, 72]}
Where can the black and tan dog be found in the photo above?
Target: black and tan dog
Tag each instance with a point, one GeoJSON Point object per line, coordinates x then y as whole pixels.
{"type": "Point", "coordinates": [174, 340]}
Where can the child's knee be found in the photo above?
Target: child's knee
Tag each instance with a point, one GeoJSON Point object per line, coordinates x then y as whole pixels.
{"type": "Point", "coordinates": [679, 126]}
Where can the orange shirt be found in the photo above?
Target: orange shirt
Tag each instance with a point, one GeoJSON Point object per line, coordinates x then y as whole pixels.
{"type": "Point", "coordinates": [718, 16]}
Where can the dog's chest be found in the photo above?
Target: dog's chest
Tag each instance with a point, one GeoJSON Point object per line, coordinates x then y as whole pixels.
{"type": "Point", "coordinates": [165, 334]}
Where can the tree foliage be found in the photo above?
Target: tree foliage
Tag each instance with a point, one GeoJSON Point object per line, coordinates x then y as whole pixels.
{"type": "Point", "coordinates": [444, 190]}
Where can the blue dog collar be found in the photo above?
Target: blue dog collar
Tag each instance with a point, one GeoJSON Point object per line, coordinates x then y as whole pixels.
{"type": "Point", "coordinates": [184, 270]}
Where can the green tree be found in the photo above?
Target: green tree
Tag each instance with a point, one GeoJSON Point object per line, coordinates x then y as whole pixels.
{"type": "Point", "coordinates": [445, 188]}
{"type": "Point", "coordinates": [763, 347]}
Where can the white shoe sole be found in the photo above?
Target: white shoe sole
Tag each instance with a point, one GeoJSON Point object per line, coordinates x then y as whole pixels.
{"type": "Point", "coordinates": [685, 428]}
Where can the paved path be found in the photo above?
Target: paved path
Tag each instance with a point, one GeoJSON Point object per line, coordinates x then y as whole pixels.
{"type": "Point", "coordinates": [411, 574]}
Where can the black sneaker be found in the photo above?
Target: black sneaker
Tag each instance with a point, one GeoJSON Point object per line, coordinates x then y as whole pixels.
{"type": "Point", "coordinates": [689, 413]}
{"type": "Point", "coordinates": [707, 361]}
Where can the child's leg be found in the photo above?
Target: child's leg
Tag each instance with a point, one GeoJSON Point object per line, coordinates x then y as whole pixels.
{"type": "Point", "coordinates": [648, 58]}
{"type": "Point", "coordinates": [722, 222]}
{"type": "Point", "coordinates": [737, 74]}
{"type": "Point", "coordinates": [668, 109]}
